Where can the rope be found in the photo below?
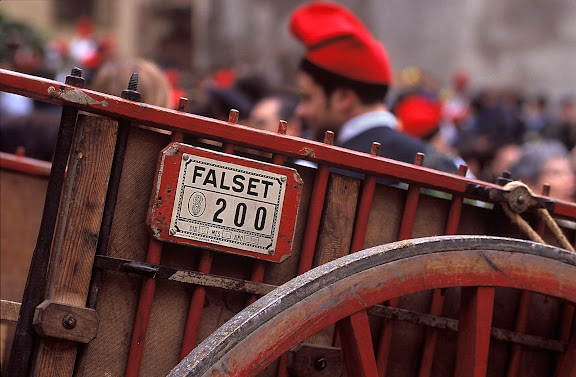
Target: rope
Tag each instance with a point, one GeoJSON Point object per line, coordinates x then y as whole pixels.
{"type": "Point", "coordinates": [516, 219]}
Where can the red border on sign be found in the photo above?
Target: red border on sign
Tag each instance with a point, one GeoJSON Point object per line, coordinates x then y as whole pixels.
{"type": "Point", "coordinates": [165, 194]}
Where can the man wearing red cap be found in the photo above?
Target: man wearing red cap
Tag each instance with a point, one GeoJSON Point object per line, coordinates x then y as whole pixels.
{"type": "Point", "coordinates": [343, 81]}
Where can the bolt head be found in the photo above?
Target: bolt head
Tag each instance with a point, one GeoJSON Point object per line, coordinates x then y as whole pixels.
{"type": "Point", "coordinates": [320, 364]}
{"type": "Point", "coordinates": [172, 231]}
{"type": "Point", "coordinates": [69, 321]}
{"type": "Point", "coordinates": [185, 156]}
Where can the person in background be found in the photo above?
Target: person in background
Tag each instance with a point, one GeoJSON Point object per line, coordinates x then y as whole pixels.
{"type": "Point", "coordinates": [564, 129]}
{"type": "Point", "coordinates": [112, 78]}
{"type": "Point", "coordinates": [343, 81]}
{"type": "Point", "coordinates": [536, 117]}
{"type": "Point", "coordinates": [267, 113]}
{"type": "Point", "coordinates": [420, 116]}
{"type": "Point", "coordinates": [548, 162]}
{"type": "Point", "coordinates": [33, 135]}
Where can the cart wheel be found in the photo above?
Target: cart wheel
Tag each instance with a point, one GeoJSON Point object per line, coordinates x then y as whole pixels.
{"type": "Point", "coordinates": [262, 332]}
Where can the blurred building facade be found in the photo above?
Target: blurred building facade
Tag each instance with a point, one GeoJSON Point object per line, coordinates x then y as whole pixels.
{"type": "Point", "coordinates": [529, 44]}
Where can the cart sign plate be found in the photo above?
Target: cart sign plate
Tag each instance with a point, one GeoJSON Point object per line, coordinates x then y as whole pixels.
{"type": "Point", "coordinates": [223, 202]}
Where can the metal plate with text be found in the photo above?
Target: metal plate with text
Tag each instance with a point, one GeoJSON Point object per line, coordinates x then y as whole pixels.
{"type": "Point", "coordinates": [224, 202]}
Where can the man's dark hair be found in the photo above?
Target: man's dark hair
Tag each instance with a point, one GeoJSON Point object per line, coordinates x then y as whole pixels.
{"type": "Point", "coordinates": [368, 93]}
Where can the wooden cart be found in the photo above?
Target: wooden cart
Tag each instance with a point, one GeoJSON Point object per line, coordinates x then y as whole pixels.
{"type": "Point", "coordinates": [173, 244]}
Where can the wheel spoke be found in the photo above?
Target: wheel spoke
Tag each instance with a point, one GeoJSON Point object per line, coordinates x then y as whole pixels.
{"type": "Point", "coordinates": [474, 327]}
{"type": "Point", "coordinates": [356, 342]}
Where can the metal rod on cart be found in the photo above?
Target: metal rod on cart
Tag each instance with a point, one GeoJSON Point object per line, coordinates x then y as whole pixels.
{"type": "Point", "coordinates": [204, 266]}
{"type": "Point", "coordinates": [23, 342]}
{"type": "Point", "coordinates": [406, 226]}
{"type": "Point", "coordinates": [437, 305]}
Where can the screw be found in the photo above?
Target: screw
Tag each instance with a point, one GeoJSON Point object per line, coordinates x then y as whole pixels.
{"type": "Point", "coordinates": [271, 251]}
{"type": "Point", "coordinates": [172, 231]}
{"type": "Point", "coordinates": [320, 364]}
{"type": "Point", "coordinates": [521, 199]}
{"type": "Point", "coordinates": [283, 178]}
{"type": "Point", "coordinates": [185, 156]}
{"type": "Point", "coordinates": [69, 321]}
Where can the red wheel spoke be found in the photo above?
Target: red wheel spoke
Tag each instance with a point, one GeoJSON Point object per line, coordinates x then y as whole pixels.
{"type": "Point", "coordinates": [474, 328]}
{"type": "Point", "coordinates": [357, 347]}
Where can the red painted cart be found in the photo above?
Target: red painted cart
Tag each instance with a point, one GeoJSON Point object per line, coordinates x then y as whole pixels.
{"type": "Point", "coordinates": [210, 251]}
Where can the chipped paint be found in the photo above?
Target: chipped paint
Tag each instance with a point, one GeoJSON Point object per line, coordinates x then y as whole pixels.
{"type": "Point", "coordinates": [307, 152]}
{"type": "Point", "coordinates": [75, 96]}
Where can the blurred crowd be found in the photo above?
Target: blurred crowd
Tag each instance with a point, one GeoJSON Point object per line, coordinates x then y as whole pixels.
{"type": "Point", "coordinates": [493, 129]}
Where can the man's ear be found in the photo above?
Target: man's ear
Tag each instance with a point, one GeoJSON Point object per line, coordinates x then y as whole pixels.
{"type": "Point", "coordinates": [344, 99]}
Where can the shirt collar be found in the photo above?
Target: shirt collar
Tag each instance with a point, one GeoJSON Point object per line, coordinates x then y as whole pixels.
{"type": "Point", "coordinates": [364, 122]}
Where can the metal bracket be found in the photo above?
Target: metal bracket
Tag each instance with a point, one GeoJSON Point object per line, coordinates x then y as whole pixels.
{"type": "Point", "coordinates": [310, 360]}
{"type": "Point", "coordinates": [75, 323]}
{"type": "Point", "coordinates": [518, 198]}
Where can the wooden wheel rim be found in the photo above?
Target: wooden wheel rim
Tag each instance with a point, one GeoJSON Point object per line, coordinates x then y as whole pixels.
{"type": "Point", "coordinates": [272, 325]}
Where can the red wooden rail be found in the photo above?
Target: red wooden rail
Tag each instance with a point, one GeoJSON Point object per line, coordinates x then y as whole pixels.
{"type": "Point", "coordinates": [61, 94]}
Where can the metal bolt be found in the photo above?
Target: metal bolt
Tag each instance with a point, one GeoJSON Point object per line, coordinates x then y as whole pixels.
{"type": "Point", "coordinates": [271, 251]}
{"type": "Point", "coordinates": [521, 199]}
{"type": "Point", "coordinates": [185, 156]}
{"type": "Point", "coordinates": [172, 231]}
{"type": "Point", "coordinates": [283, 179]}
{"type": "Point", "coordinates": [69, 321]}
{"type": "Point", "coordinates": [320, 364]}
{"type": "Point", "coordinates": [77, 72]}
{"type": "Point", "coordinates": [132, 93]}
{"type": "Point", "coordinates": [133, 83]}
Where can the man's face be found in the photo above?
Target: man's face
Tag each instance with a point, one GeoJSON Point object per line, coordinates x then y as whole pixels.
{"type": "Point", "coordinates": [315, 108]}
{"type": "Point", "coordinates": [266, 115]}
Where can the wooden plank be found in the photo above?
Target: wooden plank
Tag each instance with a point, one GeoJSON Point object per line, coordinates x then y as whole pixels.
{"type": "Point", "coordinates": [118, 292]}
{"type": "Point", "coordinates": [20, 193]}
{"type": "Point", "coordinates": [474, 328]}
{"type": "Point", "coordinates": [335, 232]}
{"type": "Point", "coordinates": [9, 310]}
{"type": "Point", "coordinates": [76, 233]}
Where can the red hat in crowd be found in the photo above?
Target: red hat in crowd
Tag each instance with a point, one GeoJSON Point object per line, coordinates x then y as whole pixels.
{"type": "Point", "coordinates": [419, 116]}
{"type": "Point", "coordinates": [337, 41]}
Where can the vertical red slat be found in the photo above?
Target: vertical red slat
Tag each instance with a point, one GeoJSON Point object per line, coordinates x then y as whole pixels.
{"type": "Point", "coordinates": [205, 266]}
{"type": "Point", "coordinates": [259, 267]}
{"type": "Point", "coordinates": [406, 226]}
{"type": "Point", "coordinates": [356, 343]}
{"type": "Point", "coordinates": [147, 290]}
{"type": "Point", "coordinates": [437, 305]}
{"type": "Point", "coordinates": [311, 232]}
{"type": "Point", "coordinates": [563, 366]}
{"type": "Point", "coordinates": [475, 323]}
{"type": "Point", "coordinates": [567, 367]}
{"type": "Point", "coordinates": [363, 212]}
{"type": "Point", "coordinates": [314, 213]}
{"type": "Point", "coordinates": [431, 336]}
{"type": "Point", "coordinates": [143, 313]}
{"type": "Point", "coordinates": [196, 307]}
{"type": "Point", "coordinates": [355, 337]}
{"type": "Point", "coordinates": [521, 324]}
